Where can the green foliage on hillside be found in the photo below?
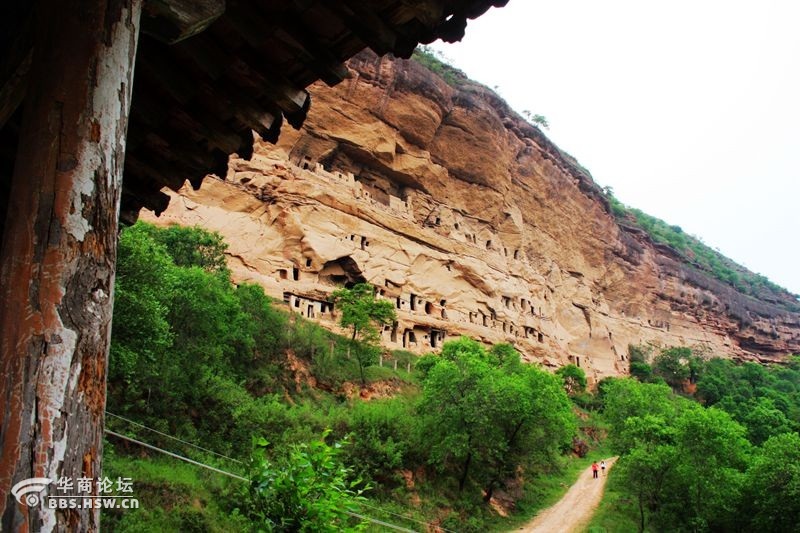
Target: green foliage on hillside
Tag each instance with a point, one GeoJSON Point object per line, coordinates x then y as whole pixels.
{"type": "Point", "coordinates": [198, 358]}
{"type": "Point", "coordinates": [695, 252]}
{"type": "Point", "coordinates": [211, 363]}
{"type": "Point", "coordinates": [715, 464]}
{"type": "Point", "coordinates": [435, 62]}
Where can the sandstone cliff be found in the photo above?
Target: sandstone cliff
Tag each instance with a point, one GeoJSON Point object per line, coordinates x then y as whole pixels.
{"type": "Point", "coordinates": [473, 223]}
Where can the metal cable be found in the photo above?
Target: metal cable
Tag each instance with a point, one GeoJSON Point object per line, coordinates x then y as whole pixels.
{"type": "Point", "coordinates": [174, 438]}
{"type": "Point", "coordinates": [240, 478]}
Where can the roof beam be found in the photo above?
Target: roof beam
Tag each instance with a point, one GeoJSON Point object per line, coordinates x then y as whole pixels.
{"type": "Point", "coordinates": [172, 21]}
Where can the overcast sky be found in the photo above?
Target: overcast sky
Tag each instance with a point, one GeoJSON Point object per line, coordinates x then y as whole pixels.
{"type": "Point", "coordinates": [690, 110]}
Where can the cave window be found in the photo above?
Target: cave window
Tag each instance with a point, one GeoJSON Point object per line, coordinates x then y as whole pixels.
{"type": "Point", "coordinates": [444, 313]}
{"type": "Point", "coordinates": [297, 302]}
{"type": "Point", "coordinates": [516, 254]}
{"type": "Point", "coordinates": [323, 306]}
{"type": "Point", "coordinates": [308, 261]}
{"type": "Point", "coordinates": [505, 328]}
{"type": "Point", "coordinates": [408, 338]}
{"type": "Point", "coordinates": [295, 273]}
{"type": "Point", "coordinates": [456, 226]}
{"type": "Point", "coordinates": [283, 273]}
{"type": "Point", "coordinates": [364, 243]}
{"type": "Point", "coordinates": [488, 245]}
{"type": "Point", "coordinates": [505, 251]}
{"type": "Point", "coordinates": [436, 336]}
{"type": "Point", "coordinates": [310, 311]}
{"type": "Point", "coordinates": [352, 237]}
{"type": "Point", "coordinates": [413, 302]}
{"type": "Point", "coordinates": [438, 221]}
{"type": "Point", "coordinates": [287, 296]}
{"type": "Point", "coordinates": [398, 303]}
{"type": "Point", "coordinates": [541, 337]}
{"type": "Point", "coordinates": [511, 329]}
{"type": "Point", "coordinates": [428, 308]}
{"type": "Point", "coordinates": [485, 320]}
{"type": "Point", "coordinates": [394, 332]}
{"type": "Point", "coordinates": [577, 361]}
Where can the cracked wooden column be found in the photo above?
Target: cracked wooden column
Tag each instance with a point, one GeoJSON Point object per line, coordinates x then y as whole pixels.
{"type": "Point", "coordinates": [59, 251]}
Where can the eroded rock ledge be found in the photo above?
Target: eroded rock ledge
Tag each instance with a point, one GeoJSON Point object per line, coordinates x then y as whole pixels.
{"type": "Point", "coordinates": [472, 222]}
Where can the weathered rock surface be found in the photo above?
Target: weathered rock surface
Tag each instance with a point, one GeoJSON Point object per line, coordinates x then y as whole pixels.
{"type": "Point", "coordinates": [473, 223]}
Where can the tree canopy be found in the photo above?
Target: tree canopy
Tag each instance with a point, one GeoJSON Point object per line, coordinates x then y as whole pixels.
{"type": "Point", "coordinates": [363, 313]}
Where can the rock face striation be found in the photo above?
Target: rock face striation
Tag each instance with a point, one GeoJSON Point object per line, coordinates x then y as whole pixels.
{"type": "Point", "coordinates": [473, 223]}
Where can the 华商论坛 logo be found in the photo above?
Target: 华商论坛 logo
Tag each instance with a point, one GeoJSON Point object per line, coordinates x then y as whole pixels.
{"type": "Point", "coordinates": [28, 491]}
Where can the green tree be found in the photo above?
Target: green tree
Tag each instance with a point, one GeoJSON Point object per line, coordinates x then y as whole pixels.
{"type": "Point", "coordinates": [309, 491]}
{"type": "Point", "coordinates": [646, 466]}
{"type": "Point", "coordinates": [193, 246]}
{"type": "Point", "coordinates": [362, 312]}
{"type": "Point", "coordinates": [641, 371]}
{"type": "Point", "coordinates": [773, 485]}
{"type": "Point", "coordinates": [711, 456]}
{"type": "Point", "coordinates": [536, 119]}
{"type": "Point", "coordinates": [266, 325]}
{"type": "Point", "coordinates": [673, 365]}
{"type": "Point", "coordinates": [485, 415]}
{"type": "Point", "coordinates": [627, 398]}
{"type": "Point", "coordinates": [762, 420]}
{"type": "Point", "coordinates": [573, 377]}
{"type": "Point", "coordinates": [141, 334]}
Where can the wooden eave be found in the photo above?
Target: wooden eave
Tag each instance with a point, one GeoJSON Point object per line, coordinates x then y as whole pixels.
{"type": "Point", "coordinates": [210, 73]}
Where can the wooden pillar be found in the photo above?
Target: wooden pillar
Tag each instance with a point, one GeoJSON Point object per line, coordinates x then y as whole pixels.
{"type": "Point", "coordinates": [59, 251]}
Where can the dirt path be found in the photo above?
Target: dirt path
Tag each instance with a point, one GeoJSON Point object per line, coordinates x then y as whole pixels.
{"type": "Point", "coordinates": [575, 509]}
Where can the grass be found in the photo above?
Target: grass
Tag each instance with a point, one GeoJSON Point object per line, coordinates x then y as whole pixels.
{"type": "Point", "coordinates": [173, 497]}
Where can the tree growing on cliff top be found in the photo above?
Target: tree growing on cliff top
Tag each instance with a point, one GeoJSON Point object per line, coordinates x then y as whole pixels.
{"type": "Point", "coordinates": [362, 313]}
{"type": "Point", "coordinates": [536, 119]}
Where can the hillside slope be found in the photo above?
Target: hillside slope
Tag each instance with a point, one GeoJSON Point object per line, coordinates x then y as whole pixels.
{"type": "Point", "coordinates": [473, 223]}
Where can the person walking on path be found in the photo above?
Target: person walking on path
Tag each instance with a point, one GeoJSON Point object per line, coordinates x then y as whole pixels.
{"type": "Point", "coordinates": [594, 470]}
{"type": "Point", "coordinates": [574, 511]}
{"type": "Point", "coordinates": [603, 467]}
